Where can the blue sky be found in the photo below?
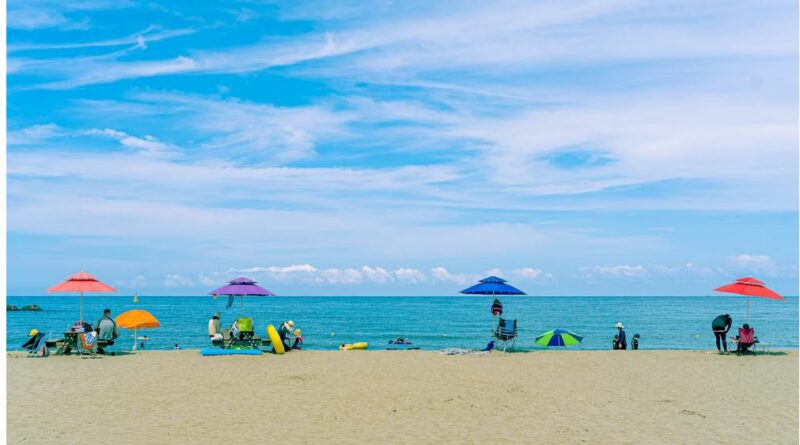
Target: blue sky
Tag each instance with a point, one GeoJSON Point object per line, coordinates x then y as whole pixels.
{"type": "Point", "coordinates": [403, 148]}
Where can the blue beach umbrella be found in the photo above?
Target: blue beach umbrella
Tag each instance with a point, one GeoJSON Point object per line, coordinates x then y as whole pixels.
{"type": "Point", "coordinates": [558, 337]}
{"type": "Point", "coordinates": [492, 286]}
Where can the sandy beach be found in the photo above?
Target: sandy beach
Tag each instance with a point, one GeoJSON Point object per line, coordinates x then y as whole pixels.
{"type": "Point", "coordinates": [405, 397]}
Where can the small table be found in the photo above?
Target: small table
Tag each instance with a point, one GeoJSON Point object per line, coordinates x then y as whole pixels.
{"type": "Point", "coordinates": [763, 345]}
{"type": "Point", "coordinates": [65, 346]}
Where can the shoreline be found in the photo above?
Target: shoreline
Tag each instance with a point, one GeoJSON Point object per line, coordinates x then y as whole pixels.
{"type": "Point", "coordinates": [407, 396]}
{"type": "Point", "coordinates": [20, 353]}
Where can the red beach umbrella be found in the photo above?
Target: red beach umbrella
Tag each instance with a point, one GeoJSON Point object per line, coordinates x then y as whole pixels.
{"type": "Point", "coordinates": [82, 282]}
{"type": "Point", "coordinates": [749, 287]}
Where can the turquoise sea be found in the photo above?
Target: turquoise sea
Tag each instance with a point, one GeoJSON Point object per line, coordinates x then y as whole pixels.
{"type": "Point", "coordinates": [430, 322]}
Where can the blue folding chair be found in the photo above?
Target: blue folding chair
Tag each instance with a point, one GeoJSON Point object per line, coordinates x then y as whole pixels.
{"type": "Point", "coordinates": [505, 334]}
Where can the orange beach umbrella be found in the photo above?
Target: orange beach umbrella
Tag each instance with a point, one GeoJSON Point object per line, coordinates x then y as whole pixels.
{"type": "Point", "coordinates": [136, 319]}
{"type": "Point", "coordinates": [81, 282]}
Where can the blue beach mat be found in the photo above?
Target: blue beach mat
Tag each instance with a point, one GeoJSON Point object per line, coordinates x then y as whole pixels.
{"type": "Point", "coordinates": [211, 352]}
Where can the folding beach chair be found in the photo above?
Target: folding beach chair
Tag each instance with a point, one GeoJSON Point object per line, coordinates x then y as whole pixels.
{"type": "Point", "coordinates": [505, 334]}
{"type": "Point", "coordinates": [87, 344]}
{"type": "Point", "coordinates": [745, 341]}
{"type": "Point", "coordinates": [36, 346]}
{"type": "Point", "coordinates": [246, 338]}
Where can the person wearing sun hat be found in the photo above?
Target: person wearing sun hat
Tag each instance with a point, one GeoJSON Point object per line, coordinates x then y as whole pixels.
{"type": "Point", "coordinates": [622, 342]}
{"type": "Point", "coordinates": [285, 331]}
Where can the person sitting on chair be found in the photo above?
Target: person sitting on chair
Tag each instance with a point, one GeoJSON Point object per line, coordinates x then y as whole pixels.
{"type": "Point", "coordinates": [615, 342]}
{"type": "Point", "coordinates": [106, 330]}
{"type": "Point", "coordinates": [214, 329]}
{"type": "Point", "coordinates": [746, 339]}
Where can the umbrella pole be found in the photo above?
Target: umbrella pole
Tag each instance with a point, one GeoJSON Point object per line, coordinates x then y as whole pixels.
{"type": "Point", "coordinates": [748, 309]}
{"type": "Point", "coordinates": [134, 340]}
{"type": "Point", "coordinates": [81, 320]}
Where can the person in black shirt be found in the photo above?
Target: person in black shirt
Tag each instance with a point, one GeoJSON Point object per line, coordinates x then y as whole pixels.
{"type": "Point", "coordinates": [720, 326]}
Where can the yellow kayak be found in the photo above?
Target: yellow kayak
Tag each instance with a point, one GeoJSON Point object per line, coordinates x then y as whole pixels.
{"type": "Point", "coordinates": [351, 346]}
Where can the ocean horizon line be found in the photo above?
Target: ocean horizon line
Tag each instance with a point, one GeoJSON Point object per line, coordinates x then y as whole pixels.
{"type": "Point", "coordinates": [389, 296]}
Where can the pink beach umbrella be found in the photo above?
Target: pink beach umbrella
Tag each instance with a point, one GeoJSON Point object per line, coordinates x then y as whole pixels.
{"type": "Point", "coordinates": [82, 282]}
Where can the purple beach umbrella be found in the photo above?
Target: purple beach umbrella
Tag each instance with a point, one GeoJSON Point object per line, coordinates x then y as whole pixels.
{"type": "Point", "coordinates": [242, 286]}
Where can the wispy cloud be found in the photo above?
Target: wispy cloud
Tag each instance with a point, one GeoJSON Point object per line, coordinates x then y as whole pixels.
{"type": "Point", "coordinates": [36, 14]}
{"type": "Point", "coordinates": [531, 273]}
{"type": "Point", "coordinates": [620, 271]}
{"type": "Point", "coordinates": [136, 283]}
{"type": "Point", "coordinates": [348, 276]}
{"type": "Point", "coordinates": [442, 274]}
{"type": "Point", "coordinates": [147, 143]}
{"type": "Point", "coordinates": [531, 138]}
{"type": "Point", "coordinates": [177, 281]}
{"type": "Point", "coordinates": [140, 39]}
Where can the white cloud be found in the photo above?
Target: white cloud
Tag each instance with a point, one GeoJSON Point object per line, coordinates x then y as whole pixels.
{"type": "Point", "coordinates": [174, 281]}
{"type": "Point", "coordinates": [136, 283]}
{"type": "Point", "coordinates": [442, 274]}
{"type": "Point", "coordinates": [620, 271]}
{"type": "Point", "coordinates": [376, 274]}
{"type": "Point", "coordinates": [342, 276]}
{"type": "Point", "coordinates": [137, 40]}
{"type": "Point", "coordinates": [531, 273]}
{"type": "Point", "coordinates": [688, 270]}
{"type": "Point", "coordinates": [147, 144]}
{"type": "Point", "coordinates": [309, 274]}
{"type": "Point", "coordinates": [747, 264]}
{"type": "Point", "coordinates": [35, 134]}
{"type": "Point", "coordinates": [206, 280]}
{"type": "Point", "coordinates": [515, 36]}
{"type": "Point", "coordinates": [408, 275]}
{"type": "Point", "coordinates": [37, 14]}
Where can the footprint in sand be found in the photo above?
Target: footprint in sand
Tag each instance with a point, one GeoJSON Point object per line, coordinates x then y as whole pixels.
{"type": "Point", "coordinates": [686, 412]}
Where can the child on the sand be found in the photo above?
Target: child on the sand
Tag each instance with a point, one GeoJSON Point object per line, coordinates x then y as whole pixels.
{"type": "Point", "coordinates": [298, 340]}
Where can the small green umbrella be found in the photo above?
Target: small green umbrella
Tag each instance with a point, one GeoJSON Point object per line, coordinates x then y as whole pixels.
{"type": "Point", "coordinates": [558, 337]}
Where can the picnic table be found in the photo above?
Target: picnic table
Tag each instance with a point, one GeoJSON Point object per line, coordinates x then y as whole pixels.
{"type": "Point", "coordinates": [70, 341]}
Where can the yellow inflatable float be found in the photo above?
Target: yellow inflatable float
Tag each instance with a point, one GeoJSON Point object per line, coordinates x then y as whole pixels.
{"type": "Point", "coordinates": [351, 346]}
{"type": "Point", "coordinates": [275, 339]}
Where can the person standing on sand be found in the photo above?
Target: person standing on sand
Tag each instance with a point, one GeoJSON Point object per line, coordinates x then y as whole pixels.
{"type": "Point", "coordinates": [720, 326]}
{"type": "Point", "coordinates": [622, 343]}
